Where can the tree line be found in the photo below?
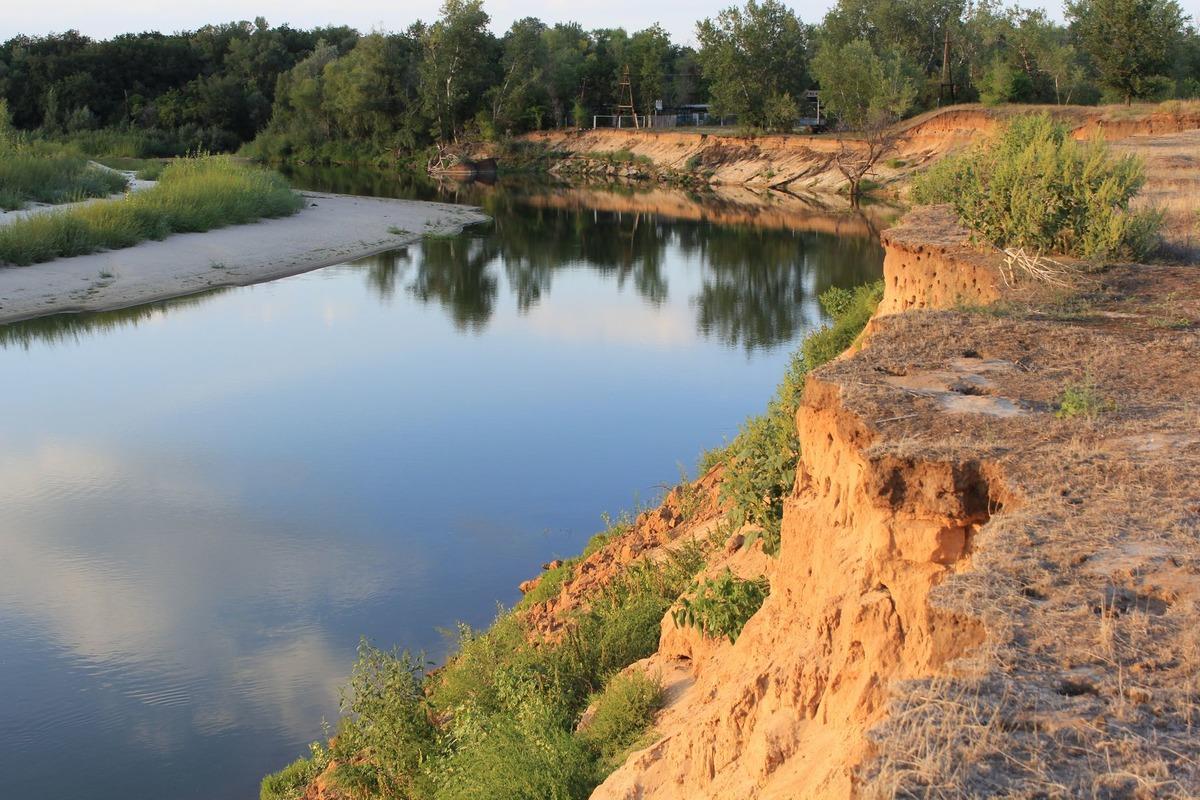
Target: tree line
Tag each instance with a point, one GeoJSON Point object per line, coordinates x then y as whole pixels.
{"type": "Point", "coordinates": [333, 93]}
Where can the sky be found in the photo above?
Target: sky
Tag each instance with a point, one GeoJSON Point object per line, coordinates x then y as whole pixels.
{"type": "Point", "coordinates": [104, 18]}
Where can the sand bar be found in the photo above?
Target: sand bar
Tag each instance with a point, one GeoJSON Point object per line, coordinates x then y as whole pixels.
{"type": "Point", "coordinates": [330, 229]}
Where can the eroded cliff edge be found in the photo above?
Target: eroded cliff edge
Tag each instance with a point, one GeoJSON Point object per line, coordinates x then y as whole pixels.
{"type": "Point", "coordinates": [974, 596]}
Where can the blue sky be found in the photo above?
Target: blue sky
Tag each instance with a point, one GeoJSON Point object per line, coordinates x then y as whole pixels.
{"type": "Point", "coordinates": [103, 18]}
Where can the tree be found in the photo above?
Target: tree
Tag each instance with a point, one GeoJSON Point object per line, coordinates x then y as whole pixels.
{"type": "Point", "coordinates": [1129, 42]}
{"type": "Point", "coordinates": [751, 56]}
{"type": "Point", "coordinates": [648, 55]}
{"type": "Point", "coordinates": [458, 52]}
{"type": "Point", "coordinates": [860, 87]}
{"type": "Point", "coordinates": [515, 97]}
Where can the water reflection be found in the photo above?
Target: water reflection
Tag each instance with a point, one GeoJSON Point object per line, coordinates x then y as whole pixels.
{"type": "Point", "coordinates": [759, 281]}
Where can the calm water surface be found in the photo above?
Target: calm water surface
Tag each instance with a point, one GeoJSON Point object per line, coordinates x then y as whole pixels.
{"type": "Point", "coordinates": [205, 503]}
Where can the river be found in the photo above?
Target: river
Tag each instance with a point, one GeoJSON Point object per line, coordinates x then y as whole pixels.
{"type": "Point", "coordinates": [207, 502]}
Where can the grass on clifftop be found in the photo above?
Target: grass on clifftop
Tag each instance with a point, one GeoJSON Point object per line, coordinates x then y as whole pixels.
{"type": "Point", "coordinates": [1032, 186]}
{"type": "Point", "coordinates": [195, 194]}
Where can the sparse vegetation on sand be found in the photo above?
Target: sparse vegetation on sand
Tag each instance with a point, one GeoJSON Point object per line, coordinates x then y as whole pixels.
{"type": "Point", "coordinates": [1032, 186]}
{"type": "Point", "coordinates": [196, 194]}
{"type": "Point", "coordinates": [47, 173]}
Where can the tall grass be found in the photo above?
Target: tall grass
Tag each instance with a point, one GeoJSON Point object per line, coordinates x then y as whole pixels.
{"type": "Point", "coordinates": [46, 173]}
{"type": "Point", "coordinates": [196, 194]}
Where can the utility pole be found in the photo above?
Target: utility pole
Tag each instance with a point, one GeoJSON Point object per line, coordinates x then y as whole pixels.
{"type": "Point", "coordinates": [946, 89]}
{"type": "Point", "coordinates": [625, 98]}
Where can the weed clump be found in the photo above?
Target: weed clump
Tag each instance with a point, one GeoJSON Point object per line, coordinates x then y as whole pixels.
{"type": "Point", "coordinates": [721, 606]}
{"type": "Point", "coordinates": [1083, 400]}
{"type": "Point", "coordinates": [1033, 186]}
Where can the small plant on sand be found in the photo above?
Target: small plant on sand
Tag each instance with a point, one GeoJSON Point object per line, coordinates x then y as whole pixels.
{"type": "Point", "coordinates": [42, 172]}
{"type": "Point", "coordinates": [1083, 400]}
{"type": "Point", "coordinates": [721, 606]}
{"type": "Point", "coordinates": [1033, 186]}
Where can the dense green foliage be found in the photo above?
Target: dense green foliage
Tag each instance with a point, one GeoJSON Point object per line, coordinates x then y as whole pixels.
{"type": "Point", "coordinates": [1131, 43]}
{"type": "Point", "coordinates": [864, 88]}
{"type": "Point", "coordinates": [192, 195]}
{"type": "Point", "coordinates": [1035, 187]}
{"type": "Point", "coordinates": [721, 606]}
{"type": "Point", "coordinates": [755, 60]}
{"type": "Point", "coordinates": [331, 94]}
{"type": "Point", "coordinates": [761, 460]}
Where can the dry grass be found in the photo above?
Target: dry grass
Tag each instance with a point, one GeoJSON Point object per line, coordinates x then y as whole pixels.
{"type": "Point", "coordinates": [1088, 580]}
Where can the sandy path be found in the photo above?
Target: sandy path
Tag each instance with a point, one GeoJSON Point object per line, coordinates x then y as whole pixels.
{"type": "Point", "coordinates": [329, 229]}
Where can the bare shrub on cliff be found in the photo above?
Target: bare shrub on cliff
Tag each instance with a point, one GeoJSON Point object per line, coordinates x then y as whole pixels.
{"type": "Point", "coordinates": [1033, 186]}
{"type": "Point", "coordinates": [857, 161]}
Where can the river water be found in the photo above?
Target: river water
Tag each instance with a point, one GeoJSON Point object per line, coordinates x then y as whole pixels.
{"type": "Point", "coordinates": [205, 503]}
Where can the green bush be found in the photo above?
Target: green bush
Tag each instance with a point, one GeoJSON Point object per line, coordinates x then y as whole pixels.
{"type": "Point", "coordinates": [1033, 186]}
{"type": "Point", "coordinates": [721, 606]}
{"type": "Point", "coordinates": [196, 194]}
{"type": "Point", "coordinates": [624, 711]}
{"type": "Point", "coordinates": [1083, 400]}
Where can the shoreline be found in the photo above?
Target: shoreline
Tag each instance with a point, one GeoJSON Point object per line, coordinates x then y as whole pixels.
{"type": "Point", "coordinates": [329, 229]}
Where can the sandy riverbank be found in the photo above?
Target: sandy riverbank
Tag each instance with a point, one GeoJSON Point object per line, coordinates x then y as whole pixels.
{"type": "Point", "coordinates": [329, 229]}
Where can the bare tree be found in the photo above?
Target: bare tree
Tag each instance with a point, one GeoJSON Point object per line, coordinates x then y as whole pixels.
{"type": "Point", "coordinates": [857, 158]}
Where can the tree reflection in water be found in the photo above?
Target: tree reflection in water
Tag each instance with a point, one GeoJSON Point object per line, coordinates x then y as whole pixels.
{"type": "Point", "coordinates": [759, 275]}
{"type": "Point", "coordinates": [757, 281]}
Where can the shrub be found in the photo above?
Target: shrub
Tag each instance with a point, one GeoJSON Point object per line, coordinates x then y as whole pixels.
{"type": "Point", "coordinates": [721, 606]}
{"type": "Point", "coordinates": [1035, 187]}
{"type": "Point", "coordinates": [196, 194]}
{"type": "Point", "coordinates": [623, 713]}
{"type": "Point", "coordinates": [1083, 400]}
{"type": "Point", "coordinates": [389, 726]}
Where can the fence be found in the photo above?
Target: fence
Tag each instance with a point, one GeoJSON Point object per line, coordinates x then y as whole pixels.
{"type": "Point", "coordinates": [661, 120]}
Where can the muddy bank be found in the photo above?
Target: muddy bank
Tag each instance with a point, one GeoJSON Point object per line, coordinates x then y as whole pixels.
{"type": "Point", "coordinates": [329, 229]}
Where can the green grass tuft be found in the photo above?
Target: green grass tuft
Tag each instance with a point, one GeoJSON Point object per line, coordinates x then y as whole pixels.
{"type": "Point", "coordinates": [1083, 400]}
{"type": "Point", "coordinates": [624, 711]}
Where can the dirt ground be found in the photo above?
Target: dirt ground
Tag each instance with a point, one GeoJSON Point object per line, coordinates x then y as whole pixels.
{"type": "Point", "coordinates": [1087, 577]}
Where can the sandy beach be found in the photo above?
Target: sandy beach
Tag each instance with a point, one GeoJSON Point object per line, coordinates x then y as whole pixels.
{"type": "Point", "coordinates": [330, 229]}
